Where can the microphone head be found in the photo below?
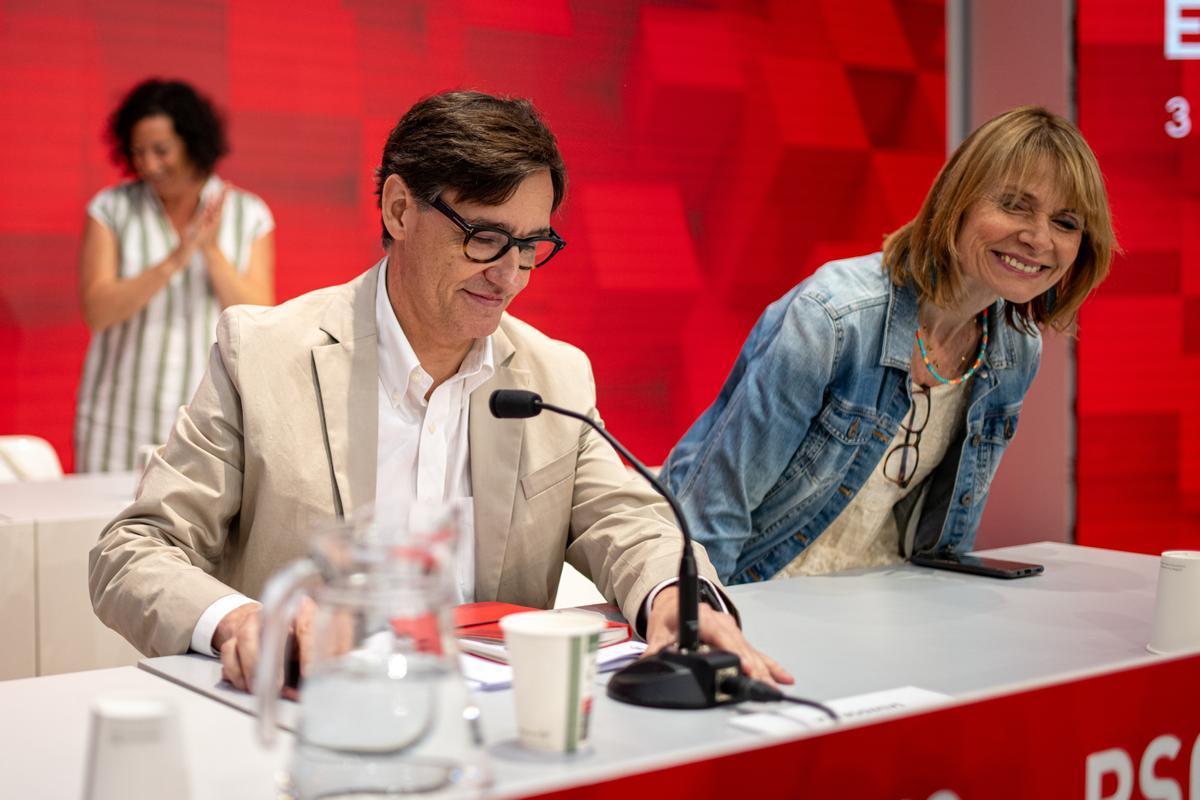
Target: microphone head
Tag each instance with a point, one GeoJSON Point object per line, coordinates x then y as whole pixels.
{"type": "Point", "coordinates": [514, 404]}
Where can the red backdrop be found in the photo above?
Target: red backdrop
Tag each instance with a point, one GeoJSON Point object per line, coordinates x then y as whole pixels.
{"type": "Point", "coordinates": [1139, 350]}
{"type": "Point", "coordinates": [718, 152]}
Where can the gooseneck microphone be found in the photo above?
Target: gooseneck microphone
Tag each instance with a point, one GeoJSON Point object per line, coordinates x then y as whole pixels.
{"type": "Point", "coordinates": [689, 676]}
{"type": "Point", "coordinates": [516, 404]}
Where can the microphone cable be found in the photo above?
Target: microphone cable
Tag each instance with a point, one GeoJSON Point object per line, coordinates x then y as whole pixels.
{"type": "Point", "coordinates": [742, 687]}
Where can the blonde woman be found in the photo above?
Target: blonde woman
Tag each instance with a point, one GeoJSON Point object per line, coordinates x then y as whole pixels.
{"type": "Point", "coordinates": [868, 410]}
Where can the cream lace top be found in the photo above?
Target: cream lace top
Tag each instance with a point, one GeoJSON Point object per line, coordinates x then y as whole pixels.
{"type": "Point", "coordinates": [865, 533]}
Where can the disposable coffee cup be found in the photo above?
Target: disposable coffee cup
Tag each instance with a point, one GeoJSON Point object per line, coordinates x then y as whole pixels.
{"type": "Point", "coordinates": [1177, 609]}
{"type": "Point", "coordinates": [553, 658]}
{"type": "Point", "coordinates": [135, 751]}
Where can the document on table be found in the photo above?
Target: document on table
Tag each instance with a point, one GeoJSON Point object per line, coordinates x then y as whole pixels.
{"type": "Point", "coordinates": [787, 719]}
{"type": "Point", "coordinates": [203, 674]}
{"type": "Point", "coordinates": [487, 675]}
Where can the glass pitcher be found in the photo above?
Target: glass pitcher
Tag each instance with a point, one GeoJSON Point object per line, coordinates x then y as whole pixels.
{"type": "Point", "coordinates": [384, 711]}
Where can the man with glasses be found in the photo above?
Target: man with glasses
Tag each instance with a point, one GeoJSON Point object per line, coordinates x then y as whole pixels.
{"type": "Point", "coordinates": [375, 394]}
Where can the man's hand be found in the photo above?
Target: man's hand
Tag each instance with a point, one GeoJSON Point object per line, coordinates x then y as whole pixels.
{"type": "Point", "coordinates": [717, 629]}
{"type": "Point", "coordinates": [237, 637]}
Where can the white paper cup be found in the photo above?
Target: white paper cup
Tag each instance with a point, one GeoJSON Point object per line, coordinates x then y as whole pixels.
{"type": "Point", "coordinates": [1177, 610]}
{"type": "Point", "coordinates": [553, 658]}
{"type": "Point", "coordinates": [135, 751]}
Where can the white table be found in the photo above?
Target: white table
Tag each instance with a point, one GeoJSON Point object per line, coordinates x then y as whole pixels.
{"type": "Point", "coordinates": [46, 530]}
{"type": "Point", "coordinates": [957, 633]}
{"type": "Point", "coordinates": [841, 635]}
{"type": "Point", "coordinates": [44, 736]}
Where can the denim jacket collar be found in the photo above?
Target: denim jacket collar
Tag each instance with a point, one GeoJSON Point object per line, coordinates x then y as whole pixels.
{"type": "Point", "coordinates": [901, 325]}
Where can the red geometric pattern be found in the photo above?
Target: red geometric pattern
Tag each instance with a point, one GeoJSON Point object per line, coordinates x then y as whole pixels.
{"type": "Point", "coordinates": [1139, 350]}
{"type": "Point", "coordinates": [717, 154]}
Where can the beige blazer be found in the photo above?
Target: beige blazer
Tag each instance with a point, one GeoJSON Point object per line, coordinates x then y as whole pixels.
{"type": "Point", "coordinates": [281, 437]}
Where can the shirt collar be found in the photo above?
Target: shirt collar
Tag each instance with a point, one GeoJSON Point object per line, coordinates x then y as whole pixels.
{"type": "Point", "coordinates": [398, 361]}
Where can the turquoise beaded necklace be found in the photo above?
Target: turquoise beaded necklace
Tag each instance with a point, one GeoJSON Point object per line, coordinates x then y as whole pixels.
{"type": "Point", "coordinates": [983, 320]}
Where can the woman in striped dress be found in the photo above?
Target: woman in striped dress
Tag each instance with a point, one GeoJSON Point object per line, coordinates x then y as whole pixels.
{"type": "Point", "coordinates": [161, 255]}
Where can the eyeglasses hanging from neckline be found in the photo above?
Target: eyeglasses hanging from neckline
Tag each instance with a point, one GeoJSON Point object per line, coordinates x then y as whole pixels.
{"type": "Point", "coordinates": [900, 463]}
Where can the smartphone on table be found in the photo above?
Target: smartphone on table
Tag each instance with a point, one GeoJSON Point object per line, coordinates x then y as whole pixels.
{"type": "Point", "coordinates": [977, 565]}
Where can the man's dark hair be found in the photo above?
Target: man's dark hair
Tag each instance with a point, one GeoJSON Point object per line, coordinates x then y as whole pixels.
{"type": "Point", "coordinates": [479, 145]}
{"type": "Point", "coordinates": [194, 118]}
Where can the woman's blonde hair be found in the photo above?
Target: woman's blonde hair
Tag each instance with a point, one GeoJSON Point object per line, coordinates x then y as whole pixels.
{"type": "Point", "coordinates": [1003, 151]}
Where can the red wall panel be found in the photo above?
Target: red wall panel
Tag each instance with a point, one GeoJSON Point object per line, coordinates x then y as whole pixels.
{"type": "Point", "coordinates": [1139, 356]}
{"type": "Point", "coordinates": [718, 153]}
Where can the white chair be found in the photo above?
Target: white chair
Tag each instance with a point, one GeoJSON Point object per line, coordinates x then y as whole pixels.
{"type": "Point", "coordinates": [28, 458]}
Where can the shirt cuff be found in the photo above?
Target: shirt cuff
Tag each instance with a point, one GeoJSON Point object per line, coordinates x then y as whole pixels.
{"type": "Point", "coordinates": [206, 626]}
{"type": "Point", "coordinates": [708, 594]}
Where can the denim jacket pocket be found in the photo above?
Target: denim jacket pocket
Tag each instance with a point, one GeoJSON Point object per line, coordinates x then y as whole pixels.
{"type": "Point", "coordinates": [999, 427]}
{"type": "Point", "coordinates": [826, 452]}
{"type": "Point", "coordinates": [846, 423]}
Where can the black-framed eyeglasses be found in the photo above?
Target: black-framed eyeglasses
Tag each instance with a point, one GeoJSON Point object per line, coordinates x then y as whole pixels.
{"type": "Point", "coordinates": [483, 244]}
{"type": "Point", "coordinates": [900, 463]}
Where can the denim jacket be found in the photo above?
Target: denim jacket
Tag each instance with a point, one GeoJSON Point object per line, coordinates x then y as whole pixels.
{"type": "Point", "coordinates": [816, 395]}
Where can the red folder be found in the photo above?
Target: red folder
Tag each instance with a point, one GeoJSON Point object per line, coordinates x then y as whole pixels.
{"type": "Point", "coordinates": [482, 621]}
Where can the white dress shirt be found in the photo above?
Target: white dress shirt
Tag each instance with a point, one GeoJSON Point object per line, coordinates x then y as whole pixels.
{"type": "Point", "coordinates": [424, 458]}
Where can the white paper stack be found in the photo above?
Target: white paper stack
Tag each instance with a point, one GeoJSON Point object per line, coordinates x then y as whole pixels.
{"type": "Point", "coordinates": [487, 674]}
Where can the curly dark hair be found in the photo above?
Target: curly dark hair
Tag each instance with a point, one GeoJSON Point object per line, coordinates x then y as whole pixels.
{"type": "Point", "coordinates": [478, 144]}
{"type": "Point", "coordinates": [194, 117]}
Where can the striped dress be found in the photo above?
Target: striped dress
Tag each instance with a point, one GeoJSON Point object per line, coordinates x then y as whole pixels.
{"type": "Point", "coordinates": [139, 372]}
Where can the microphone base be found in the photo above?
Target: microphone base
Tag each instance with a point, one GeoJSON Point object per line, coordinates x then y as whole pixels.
{"type": "Point", "coordinates": [671, 679]}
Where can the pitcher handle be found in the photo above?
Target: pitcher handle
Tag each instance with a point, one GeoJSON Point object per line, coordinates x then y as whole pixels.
{"type": "Point", "coordinates": [280, 598]}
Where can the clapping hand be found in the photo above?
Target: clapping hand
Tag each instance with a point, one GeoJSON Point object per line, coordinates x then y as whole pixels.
{"type": "Point", "coordinates": [209, 223]}
{"type": "Point", "coordinates": [201, 234]}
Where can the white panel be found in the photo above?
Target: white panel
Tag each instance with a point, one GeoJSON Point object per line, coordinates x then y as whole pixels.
{"type": "Point", "coordinates": [69, 497]}
{"type": "Point", "coordinates": [70, 637]}
{"type": "Point", "coordinates": [18, 643]}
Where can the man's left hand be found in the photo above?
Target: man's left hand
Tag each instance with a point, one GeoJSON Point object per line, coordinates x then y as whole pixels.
{"type": "Point", "coordinates": [717, 629]}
